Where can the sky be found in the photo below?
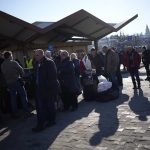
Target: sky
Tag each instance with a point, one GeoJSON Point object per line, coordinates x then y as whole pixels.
{"type": "Point", "coordinates": [110, 11]}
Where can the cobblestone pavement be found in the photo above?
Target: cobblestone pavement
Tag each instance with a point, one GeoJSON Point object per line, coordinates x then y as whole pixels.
{"type": "Point", "coordinates": [122, 124]}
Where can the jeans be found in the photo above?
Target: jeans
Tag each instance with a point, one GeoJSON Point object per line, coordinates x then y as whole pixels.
{"type": "Point", "coordinates": [134, 73]}
{"type": "Point", "coordinates": [15, 88]}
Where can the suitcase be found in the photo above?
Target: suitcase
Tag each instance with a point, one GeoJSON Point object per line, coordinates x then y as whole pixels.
{"type": "Point", "coordinates": [89, 86]}
{"type": "Point", "coordinates": [106, 96]}
{"type": "Point", "coordinates": [90, 90]}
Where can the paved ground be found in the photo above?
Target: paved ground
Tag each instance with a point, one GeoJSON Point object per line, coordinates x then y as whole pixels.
{"type": "Point", "coordinates": [123, 124]}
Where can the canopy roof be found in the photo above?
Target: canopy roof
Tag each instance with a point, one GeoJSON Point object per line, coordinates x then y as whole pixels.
{"type": "Point", "coordinates": [80, 24]}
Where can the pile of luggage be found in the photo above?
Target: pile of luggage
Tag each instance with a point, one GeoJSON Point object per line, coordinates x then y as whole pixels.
{"type": "Point", "coordinates": [89, 85]}
{"type": "Point", "coordinates": [98, 89]}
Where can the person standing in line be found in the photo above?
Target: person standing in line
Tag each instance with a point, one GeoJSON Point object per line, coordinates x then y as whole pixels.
{"type": "Point", "coordinates": [111, 66]}
{"type": "Point", "coordinates": [76, 63]}
{"type": "Point", "coordinates": [118, 73]}
{"type": "Point", "coordinates": [146, 61]}
{"type": "Point", "coordinates": [13, 73]}
{"type": "Point", "coordinates": [46, 90]}
{"type": "Point", "coordinates": [28, 62]}
{"type": "Point", "coordinates": [66, 74]}
{"type": "Point", "coordinates": [48, 54]}
{"type": "Point", "coordinates": [97, 60]}
{"type": "Point", "coordinates": [132, 61]}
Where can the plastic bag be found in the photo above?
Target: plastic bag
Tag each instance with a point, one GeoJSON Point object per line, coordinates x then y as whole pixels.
{"type": "Point", "coordinates": [104, 86]}
{"type": "Point", "coordinates": [101, 78]}
{"type": "Point", "coordinates": [87, 63]}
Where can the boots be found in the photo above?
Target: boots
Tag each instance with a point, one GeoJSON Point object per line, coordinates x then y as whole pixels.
{"type": "Point", "coordinates": [134, 87]}
{"type": "Point", "coordinates": [139, 85]}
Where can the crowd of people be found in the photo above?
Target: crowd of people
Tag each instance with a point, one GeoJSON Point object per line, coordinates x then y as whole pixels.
{"type": "Point", "coordinates": [63, 77]}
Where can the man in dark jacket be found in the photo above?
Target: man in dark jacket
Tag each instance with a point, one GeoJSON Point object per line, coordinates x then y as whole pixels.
{"type": "Point", "coordinates": [97, 60]}
{"type": "Point", "coordinates": [146, 61]}
{"type": "Point", "coordinates": [132, 61]}
{"type": "Point", "coordinates": [46, 90]}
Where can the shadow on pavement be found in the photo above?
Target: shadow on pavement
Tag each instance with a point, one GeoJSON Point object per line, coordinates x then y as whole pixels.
{"type": "Point", "coordinates": [140, 105]}
{"type": "Point", "coordinates": [17, 134]}
{"type": "Point", "coordinates": [108, 121]}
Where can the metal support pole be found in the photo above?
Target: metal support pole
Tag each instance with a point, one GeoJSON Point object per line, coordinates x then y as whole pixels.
{"type": "Point", "coordinates": [96, 44]}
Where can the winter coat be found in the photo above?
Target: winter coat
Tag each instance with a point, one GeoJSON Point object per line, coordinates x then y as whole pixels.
{"type": "Point", "coordinates": [76, 63]}
{"type": "Point", "coordinates": [66, 75]}
{"type": "Point", "coordinates": [98, 63]}
{"type": "Point", "coordinates": [46, 74]}
{"type": "Point", "coordinates": [11, 70]}
{"type": "Point", "coordinates": [135, 62]}
{"type": "Point", "coordinates": [82, 67]}
{"type": "Point", "coordinates": [146, 57]}
{"type": "Point", "coordinates": [111, 61]}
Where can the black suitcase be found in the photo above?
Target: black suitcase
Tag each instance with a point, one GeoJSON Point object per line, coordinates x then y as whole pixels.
{"type": "Point", "coordinates": [89, 89]}
{"type": "Point", "coordinates": [89, 92]}
{"type": "Point", "coordinates": [106, 96]}
{"type": "Point", "coordinates": [89, 85]}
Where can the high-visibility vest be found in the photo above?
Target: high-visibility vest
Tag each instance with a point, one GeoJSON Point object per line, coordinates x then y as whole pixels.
{"type": "Point", "coordinates": [29, 64]}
